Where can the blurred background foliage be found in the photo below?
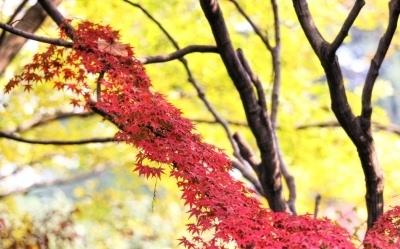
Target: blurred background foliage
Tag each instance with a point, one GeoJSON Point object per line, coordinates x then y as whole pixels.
{"type": "Point", "coordinates": [96, 201]}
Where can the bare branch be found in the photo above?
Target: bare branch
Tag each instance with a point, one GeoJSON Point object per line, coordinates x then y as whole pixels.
{"type": "Point", "coordinates": [179, 54]}
{"type": "Point", "coordinates": [275, 54]}
{"type": "Point", "coordinates": [154, 20]}
{"type": "Point", "coordinates": [57, 17]}
{"type": "Point", "coordinates": [248, 176]}
{"type": "Point", "coordinates": [27, 35]}
{"type": "Point", "coordinates": [289, 179]}
{"type": "Point", "coordinates": [344, 30]}
{"type": "Point", "coordinates": [357, 128]}
{"type": "Point", "coordinates": [276, 66]}
{"type": "Point", "coordinates": [311, 31]}
{"type": "Point", "coordinates": [55, 142]}
{"type": "Point", "coordinates": [316, 205]}
{"type": "Point", "coordinates": [376, 62]}
{"type": "Point", "coordinates": [245, 151]}
{"type": "Point", "coordinates": [257, 30]}
{"type": "Point", "coordinates": [391, 128]}
{"type": "Point", "coordinates": [230, 122]}
{"type": "Point", "coordinates": [254, 79]}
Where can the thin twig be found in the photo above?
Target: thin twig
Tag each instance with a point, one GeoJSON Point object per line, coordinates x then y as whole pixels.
{"type": "Point", "coordinates": [230, 122]}
{"type": "Point", "coordinates": [316, 205]}
{"type": "Point", "coordinates": [257, 30]}
{"type": "Point", "coordinates": [276, 66]}
{"type": "Point", "coordinates": [391, 128]}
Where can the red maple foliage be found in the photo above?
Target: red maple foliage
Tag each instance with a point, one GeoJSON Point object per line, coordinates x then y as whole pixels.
{"type": "Point", "coordinates": [224, 210]}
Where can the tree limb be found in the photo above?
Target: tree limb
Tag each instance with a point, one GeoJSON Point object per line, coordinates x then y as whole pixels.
{"type": "Point", "coordinates": [391, 128]}
{"type": "Point", "coordinates": [16, 138]}
{"type": "Point", "coordinates": [256, 117]}
{"type": "Point", "coordinates": [179, 54]}
{"type": "Point", "coordinates": [376, 62]}
{"type": "Point", "coordinates": [257, 30]}
{"type": "Point", "coordinates": [276, 66]}
{"type": "Point", "coordinates": [27, 35]}
{"type": "Point", "coordinates": [357, 128]}
{"type": "Point", "coordinates": [344, 30]}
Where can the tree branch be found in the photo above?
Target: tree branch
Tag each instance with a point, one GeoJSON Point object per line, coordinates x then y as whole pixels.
{"type": "Point", "coordinates": [246, 152]}
{"type": "Point", "coordinates": [276, 66]}
{"type": "Point", "coordinates": [248, 176]}
{"type": "Point", "coordinates": [178, 54]}
{"type": "Point", "coordinates": [376, 62]}
{"type": "Point", "coordinates": [289, 179]}
{"type": "Point", "coordinates": [357, 128]}
{"type": "Point", "coordinates": [57, 17]}
{"type": "Point", "coordinates": [257, 30]}
{"type": "Point", "coordinates": [230, 122]}
{"type": "Point", "coordinates": [311, 31]}
{"type": "Point", "coordinates": [254, 79]}
{"type": "Point", "coordinates": [27, 35]}
{"type": "Point", "coordinates": [55, 142]}
{"type": "Point", "coordinates": [391, 128]}
{"type": "Point", "coordinates": [316, 205]}
{"type": "Point", "coordinates": [154, 20]}
{"type": "Point", "coordinates": [275, 54]}
{"type": "Point", "coordinates": [344, 30]}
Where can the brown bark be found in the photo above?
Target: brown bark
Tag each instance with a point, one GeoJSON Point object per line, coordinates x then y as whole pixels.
{"type": "Point", "coordinates": [357, 128]}
{"type": "Point", "coordinates": [257, 118]}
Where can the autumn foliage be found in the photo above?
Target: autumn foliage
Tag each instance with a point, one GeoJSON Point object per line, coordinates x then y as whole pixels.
{"type": "Point", "coordinates": [224, 211]}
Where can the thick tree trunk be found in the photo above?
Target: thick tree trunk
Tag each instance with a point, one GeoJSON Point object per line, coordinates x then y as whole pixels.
{"type": "Point", "coordinates": [257, 118]}
{"type": "Point", "coordinates": [373, 179]}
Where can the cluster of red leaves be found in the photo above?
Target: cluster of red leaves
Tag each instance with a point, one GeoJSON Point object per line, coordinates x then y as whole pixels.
{"type": "Point", "coordinates": [220, 205]}
{"type": "Point", "coordinates": [385, 234]}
